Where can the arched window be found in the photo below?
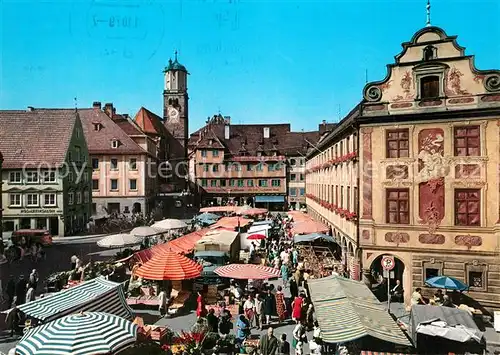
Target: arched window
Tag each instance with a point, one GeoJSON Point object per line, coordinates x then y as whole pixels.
{"type": "Point", "coordinates": [430, 52]}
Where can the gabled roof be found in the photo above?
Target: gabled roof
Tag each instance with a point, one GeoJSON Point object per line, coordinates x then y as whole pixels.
{"type": "Point", "coordinates": [39, 137]}
{"type": "Point", "coordinates": [99, 141]}
{"type": "Point", "coordinates": [149, 122]}
{"type": "Point", "coordinates": [127, 125]}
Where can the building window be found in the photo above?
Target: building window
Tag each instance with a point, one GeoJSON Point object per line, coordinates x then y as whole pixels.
{"type": "Point", "coordinates": [86, 197]}
{"type": "Point", "coordinates": [249, 167]}
{"type": "Point", "coordinates": [15, 200]}
{"type": "Point", "coordinates": [341, 196]}
{"type": "Point", "coordinates": [270, 167]}
{"type": "Point", "coordinates": [203, 153]}
{"type": "Point", "coordinates": [213, 183]}
{"type": "Point", "coordinates": [476, 279]}
{"type": "Point", "coordinates": [302, 191]}
{"type": "Point", "coordinates": [31, 200]}
{"type": "Point", "coordinates": [95, 184]}
{"type": "Point", "coordinates": [355, 193]}
{"type": "Point", "coordinates": [97, 127]}
{"type": "Point", "coordinates": [397, 206]}
{"type": "Point", "coordinates": [215, 168]}
{"type": "Point", "coordinates": [293, 162]}
{"type": "Point", "coordinates": [49, 176]}
{"type": "Point", "coordinates": [32, 177]}
{"type": "Point", "coordinates": [259, 167]}
{"type": "Point", "coordinates": [429, 87]}
{"type": "Point", "coordinates": [222, 183]}
{"type": "Point", "coordinates": [215, 153]}
{"type": "Point", "coordinates": [467, 207]}
{"type": "Point", "coordinates": [78, 198]}
{"type": "Point", "coordinates": [133, 184]}
{"type": "Point", "coordinates": [476, 276]}
{"type": "Point", "coordinates": [341, 144]}
{"type": "Point", "coordinates": [232, 182]}
{"type": "Point", "coordinates": [250, 183]}
{"type": "Point", "coordinates": [114, 164]}
{"type": "Point", "coordinates": [49, 199]}
{"type": "Point", "coordinates": [205, 167]}
{"type": "Point", "coordinates": [70, 176]}
{"type": "Point", "coordinates": [430, 52]}
{"type": "Point", "coordinates": [15, 177]}
{"type": "Point", "coordinates": [115, 143]}
{"type": "Point", "coordinates": [276, 183]}
{"type": "Point", "coordinates": [262, 183]}
{"type": "Point", "coordinates": [348, 196]}
{"type": "Point", "coordinates": [114, 184]}
{"type": "Point", "coordinates": [236, 167]}
{"type": "Point", "coordinates": [204, 182]}
{"type": "Point", "coordinates": [337, 195]}
{"type": "Point", "coordinates": [95, 164]}
{"type": "Point", "coordinates": [467, 141]}
{"type": "Point", "coordinates": [292, 191]}
{"type": "Point", "coordinates": [302, 177]}
{"type": "Point", "coordinates": [293, 177]}
{"type": "Point", "coordinates": [397, 143]}
{"type": "Point", "coordinates": [70, 156]}
{"type": "Point", "coordinates": [70, 198]}
{"type": "Point", "coordinates": [78, 153]}
{"type": "Point", "coordinates": [132, 164]}
{"type": "Point", "coordinates": [431, 269]}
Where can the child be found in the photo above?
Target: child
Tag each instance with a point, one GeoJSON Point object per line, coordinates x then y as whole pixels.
{"type": "Point", "coordinates": [284, 347]}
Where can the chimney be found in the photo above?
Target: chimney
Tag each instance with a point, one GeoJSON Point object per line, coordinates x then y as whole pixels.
{"type": "Point", "coordinates": [227, 119]}
{"type": "Point", "coordinates": [108, 109]}
{"type": "Point", "coordinates": [30, 109]}
{"type": "Point", "coordinates": [226, 132]}
{"type": "Point", "coordinates": [266, 132]}
{"type": "Point", "coordinates": [96, 105]}
{"type": "Point", "coordinates": [324, 122]}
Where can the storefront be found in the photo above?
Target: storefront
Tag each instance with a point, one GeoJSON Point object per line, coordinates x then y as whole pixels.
{"type": "Point", "coordinates": [271, 202]}
{"type": "Point", "coordinates": [34, 218]}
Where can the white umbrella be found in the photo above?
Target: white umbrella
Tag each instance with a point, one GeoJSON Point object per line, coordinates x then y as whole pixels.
{"type": "Point", "coordinates": [119, 240]}
{"type": "Point", "coordinates": [169, 224]}
{"type": "Point", "coordinates": [143, 231]}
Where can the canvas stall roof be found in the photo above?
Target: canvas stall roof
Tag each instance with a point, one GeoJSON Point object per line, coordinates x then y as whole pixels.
{"type": "Point", "coordinates": [305, 238]}
{"type": "Point", "coordinates": [219, 236]}
{"type": "Point", "coordinates": [94, 295]}
{"type": "Point", "coordinates": [347, 310]}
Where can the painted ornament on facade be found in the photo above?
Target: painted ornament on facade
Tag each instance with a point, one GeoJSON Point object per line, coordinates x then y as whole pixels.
{"type": "Point", "coordinates": [406, 86]}
{"type": "Point", "coordinates": [433, 167]}
{"type": "Point", "coordinates": [455, 81]}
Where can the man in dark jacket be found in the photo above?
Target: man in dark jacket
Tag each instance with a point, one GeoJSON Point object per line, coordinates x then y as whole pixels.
{"type": "Point", "coordinates": [268, 343]}
{"type": "Point", "coordinates": [10, 290]}
{"type": "Point", "coordinates": [21, 290]}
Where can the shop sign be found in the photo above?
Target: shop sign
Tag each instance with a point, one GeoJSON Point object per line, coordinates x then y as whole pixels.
{"type": "Point", "coordinates": [40, 211]}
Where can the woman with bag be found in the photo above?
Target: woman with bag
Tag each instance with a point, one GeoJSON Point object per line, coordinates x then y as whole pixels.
{"type": "Point", "coordinates": [299, 335]}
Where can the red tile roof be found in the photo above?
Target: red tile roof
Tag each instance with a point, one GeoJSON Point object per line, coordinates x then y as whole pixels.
{"type": "Point", "coordinates": [149, 122]}
{"type": "Point", "coordinates": [99, 141]}
{"type": "Point", "coordinates": [250, 138]}
{"type": "Point", "coordinates": [128, 126]}
{"type": "Point", "coordinates": [33, 138]}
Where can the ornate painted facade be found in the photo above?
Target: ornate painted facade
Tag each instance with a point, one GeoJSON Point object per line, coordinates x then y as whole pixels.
{"type": "Point", "coordinates": [428, 168]}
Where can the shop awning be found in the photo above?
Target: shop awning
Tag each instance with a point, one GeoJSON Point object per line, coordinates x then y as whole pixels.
{"type": "Point", "coordinates": [305, 238]}
{"type": "Point", "coordinates": [90, 296]}
{"type": "Point", "coordinates": [347, 310]}
{"type": "Point", "coordinates": [270, 198]}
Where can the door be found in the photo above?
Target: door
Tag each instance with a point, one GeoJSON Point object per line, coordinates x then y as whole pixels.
{"type": "Point", "coordinates": [54, 226]}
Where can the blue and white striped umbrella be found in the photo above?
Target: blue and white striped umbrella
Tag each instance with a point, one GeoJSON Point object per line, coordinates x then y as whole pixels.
{"type": "Point", "coordinates": [446, 282]}
{"type": "Point", "coordinates": [79, 334]}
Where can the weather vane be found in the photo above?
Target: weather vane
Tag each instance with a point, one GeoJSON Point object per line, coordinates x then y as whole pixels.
{"type": "Point", "coordinates": [428, 8]}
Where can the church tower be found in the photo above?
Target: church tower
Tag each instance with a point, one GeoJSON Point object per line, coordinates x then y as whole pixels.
{"type": "Point", "coordinates": [175, 103]}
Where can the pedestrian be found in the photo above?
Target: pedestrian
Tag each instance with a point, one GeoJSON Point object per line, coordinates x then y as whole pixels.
{"type": "Point", "coordinates": [10, 290]}
{"type": "Point", "coordinates": [297, 308]}
{"type": "Point", "coordinates": [30, 294]}
{"type": "Point", "coordinates": [249, 309]}
{"type": "Point", "coordinates": [284, 346]}
{"type": "Point", "coordinates": [212, 321]}
{"type": "Point", "coordinates": [12, 320]}
{"type": "Point", "coordinates": [284, 274]}
{"type": "Point", "coordinates": [162, 302]}
{"type": "Point", "coordinates": [74, 259]}
{"type": "Point", "coordinates": [21, 290]}
{"type": "Point", "coordinates": [33, 278]}
{"type": "Point", "coordinates": [201, 310]}
{"type": "Point", "coordinates": [310, 316]}
{"type": "Point", "coordinates": [225, 323]}
{"type": "Point", "coordinates": [295, 257]}
{"type": "Point", "coordinates": [299, 335]}
{"type": "Point", "coordinates": [280, 304]}
{"type": "Point", "coordinates": [269, 306]}
{"type": "Point", "coordinates": [242, 329]}
{"type": "Point", "coordinates": [294, 288]}
{"type": "Point", "coordinates": [259, 312]}
{"type": "Point", "coordinates": [268, 343]}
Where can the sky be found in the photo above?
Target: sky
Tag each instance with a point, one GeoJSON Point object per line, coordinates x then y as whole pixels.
{"type": "Point", "coordinates": [297, 62]}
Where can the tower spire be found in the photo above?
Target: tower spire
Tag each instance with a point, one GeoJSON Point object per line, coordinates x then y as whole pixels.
{"type": "Point", "coordinates": [175, 54]}
{"type": "Point", "coordinates": [428, 8]}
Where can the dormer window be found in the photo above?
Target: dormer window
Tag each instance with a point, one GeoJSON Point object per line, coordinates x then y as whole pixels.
{"type": "Point", "coordinates": [429, 87]}
{"type": "Point", "coordinates": [98, 126]}
{"type": "Point", "coordinates": [115, 143]}
{"type": "Point", "coordinates": [430, 52]}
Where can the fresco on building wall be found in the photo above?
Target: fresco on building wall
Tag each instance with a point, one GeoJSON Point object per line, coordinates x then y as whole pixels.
{"type": "Point", "coordinates": [433, 167]}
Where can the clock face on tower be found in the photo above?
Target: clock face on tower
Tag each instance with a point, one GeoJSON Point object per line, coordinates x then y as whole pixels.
{"type": "Point", "coordinates": [173, 114]}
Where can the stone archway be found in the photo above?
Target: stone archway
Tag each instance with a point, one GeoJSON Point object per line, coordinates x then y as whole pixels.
{"type": "Point", "coordinates": [401, 272]}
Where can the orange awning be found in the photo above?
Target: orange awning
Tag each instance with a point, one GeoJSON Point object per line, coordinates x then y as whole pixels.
{"type": "Point", "coordinates": [231, 222]}
{"type": "Point", "coordinates": [251, 211]}
{"type": "Point", "coordinates": [309, 226]}
{"type": "Point", "coordinates": [169, 266]}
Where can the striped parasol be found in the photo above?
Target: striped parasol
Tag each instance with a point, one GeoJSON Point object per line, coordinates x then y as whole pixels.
{"type": "Point", "coordinates": [79, 334]}
{"type": "Point", "coordinates": [169, 266]}
{"type": "Point", "coordinates": [247, 271]}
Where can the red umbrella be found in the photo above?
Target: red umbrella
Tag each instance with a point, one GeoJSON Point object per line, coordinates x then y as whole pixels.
{"type": "Point", "coordinates": [256, 237]}
{"type": "Point", "coordinates": [169, 266]}
{"type": "Point", "coordinates": [247, 271]}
